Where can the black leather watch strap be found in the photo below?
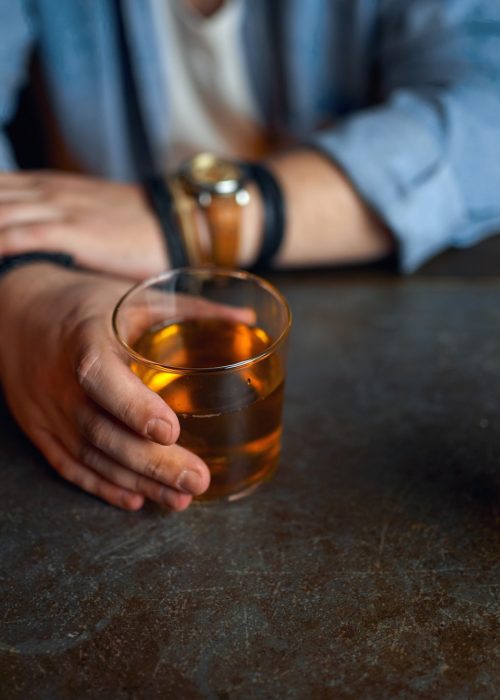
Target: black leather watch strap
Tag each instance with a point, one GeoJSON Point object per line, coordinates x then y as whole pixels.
{"type": "Point", "coordinates": [12, 262]}
{"type": "Point", "coordinates": [161, 201]}
{"type": "Point", "coordinates": [274, 213]}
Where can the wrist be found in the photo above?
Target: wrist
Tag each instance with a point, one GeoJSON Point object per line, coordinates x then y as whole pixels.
{"type": "Point", "coordinates": [140, 191]}
{"type": "Point", "coordinates": [12, 262]}
{"type": "Point", "coordinates": [159, 200]}
{"type": "Point", "coordinates": [230, 213]}
{"type": "Point", "coordinates": [252, 227]}
{"type": "Point", "coordinates": [15, 288]}
{"type": "Point", "coordinates": [13, 280]}
{"type": "Point", "coordinates": [23, 284]}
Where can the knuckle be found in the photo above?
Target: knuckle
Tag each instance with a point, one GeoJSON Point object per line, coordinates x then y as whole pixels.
{"type": "Point", "coordinates": [127, 411]}
{"type": "Point", "coordinates": [86, 454]}
{"type": "Point", "coordinates": [140, 485]}
{"type": "Point", "coordinates": [155, 468]}
{"type": "Point", "coordinates": [97, 430]}
{"type": "Point", "coordinates": [87, 366]}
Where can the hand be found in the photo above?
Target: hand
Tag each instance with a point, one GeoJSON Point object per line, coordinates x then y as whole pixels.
{"type": "Point", "coordinates": [69, 387]}
{"type": "Point", "coordinates": [106, 226]}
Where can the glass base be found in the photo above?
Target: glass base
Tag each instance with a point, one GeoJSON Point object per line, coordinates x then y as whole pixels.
{"type": "Point", "coordinates": [246, 490]}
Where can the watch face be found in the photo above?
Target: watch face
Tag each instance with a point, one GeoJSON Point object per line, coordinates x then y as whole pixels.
{"type": "Point", "coordinates": [206, 172]}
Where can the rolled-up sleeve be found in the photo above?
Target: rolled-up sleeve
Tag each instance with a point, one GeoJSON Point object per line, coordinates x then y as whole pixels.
{"type": "Point", "coordinates": [426, 157]}
{"type": "Point", "coordinates": [15, 44]}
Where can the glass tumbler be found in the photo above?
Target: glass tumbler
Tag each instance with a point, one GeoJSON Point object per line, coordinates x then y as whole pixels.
{"type": "Point", "coordinates": [212, 344]}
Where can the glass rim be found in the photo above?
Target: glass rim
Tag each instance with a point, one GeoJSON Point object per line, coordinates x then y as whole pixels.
{"type": "Point", "coordinates": [235, 274]}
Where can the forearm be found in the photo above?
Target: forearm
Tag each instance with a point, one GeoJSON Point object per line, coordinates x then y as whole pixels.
{"type": "Point", "coordinates": [327, 222]}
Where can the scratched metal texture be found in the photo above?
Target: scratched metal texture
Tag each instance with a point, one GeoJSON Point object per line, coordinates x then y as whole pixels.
{"type": "Point", "coordinates": [369, 567]}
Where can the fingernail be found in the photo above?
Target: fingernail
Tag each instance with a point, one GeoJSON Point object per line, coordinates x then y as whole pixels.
{"type": "Point", "coordinates": [189, 482]}
{"type": "Point", "coordinates": [159, 430]}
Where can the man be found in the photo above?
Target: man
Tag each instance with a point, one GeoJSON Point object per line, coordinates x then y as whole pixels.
{"type": "Point", "coordinates": [377, 118]}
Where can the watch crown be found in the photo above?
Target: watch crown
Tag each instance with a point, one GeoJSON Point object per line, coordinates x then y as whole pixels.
{"type": "Point", "coordinates": [242, 197]}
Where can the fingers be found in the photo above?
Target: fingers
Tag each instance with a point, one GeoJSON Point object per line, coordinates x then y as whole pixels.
{"type": "Point", "coordinates": [37, 179]}
{"type": "Point", "coordinates": [26, 221]}
{"type": "Point", "coordinates": [134, 482]}
{"type": "Point", "coordinates": [32, 215]}
{"type": "Point", "coordinates": [197, 307]}
{"type": "Point", "coordinates": [75, 472]}
{"type": "Point", "coordinates": [152, 310]}
{"type": "Point", "coordinates": [106, 379]}
{"type": "Point", "coordinates": [39, 235]}
{"type": "Point", "coordinates": [171, 466]}
{"type": "Point", "coordinates": [15, 213]}
{"type": "Point", "coordinates": [19, 180]}
{"type": "Point", "coordinates": [91, 470]}
{"type": "Point", "coordinates": [16, 194]}
{"type": "Point", "coordinates": [68, 192]}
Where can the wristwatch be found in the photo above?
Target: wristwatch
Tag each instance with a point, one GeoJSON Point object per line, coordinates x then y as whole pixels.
{"type": "Point", "coordinates": [209, 194]}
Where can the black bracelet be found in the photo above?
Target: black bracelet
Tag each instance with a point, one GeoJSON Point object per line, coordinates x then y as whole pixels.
{"type": "Point", "coordinates": [274, 213]}
{"type": "Point", "coordinates": [11, 262]}
{"type": "Point", "coordinates": [161, 201]}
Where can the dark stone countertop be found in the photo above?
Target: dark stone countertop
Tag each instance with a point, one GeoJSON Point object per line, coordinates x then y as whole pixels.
{"type": "Point", "coordinates": [369, 567]}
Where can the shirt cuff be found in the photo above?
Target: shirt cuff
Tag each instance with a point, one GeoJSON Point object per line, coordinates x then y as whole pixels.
{"type": "Point", "coordinates": [395, 163]}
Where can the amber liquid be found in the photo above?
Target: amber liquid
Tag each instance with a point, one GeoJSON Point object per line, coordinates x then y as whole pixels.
{"type": "Point", "coordinates": [231, 419]}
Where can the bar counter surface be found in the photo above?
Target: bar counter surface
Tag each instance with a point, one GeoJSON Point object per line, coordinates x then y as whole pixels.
{"type": "Point", "coordinates": [369, 566]}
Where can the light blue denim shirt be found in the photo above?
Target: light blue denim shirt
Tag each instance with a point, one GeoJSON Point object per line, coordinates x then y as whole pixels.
{"type": "Point", "coordinates": [404, 95]}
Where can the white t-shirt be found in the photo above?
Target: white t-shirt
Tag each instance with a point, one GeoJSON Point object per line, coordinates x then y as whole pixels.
{"type": "Point", "coordinates": [210, 101]}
